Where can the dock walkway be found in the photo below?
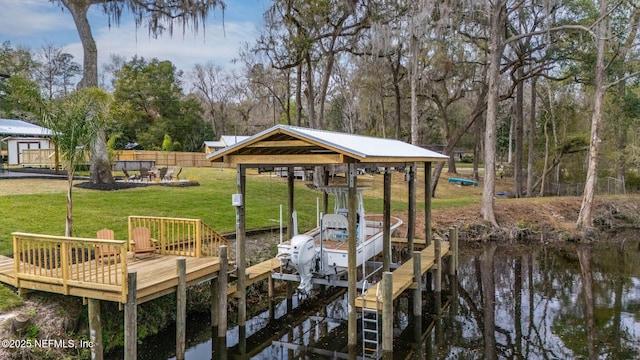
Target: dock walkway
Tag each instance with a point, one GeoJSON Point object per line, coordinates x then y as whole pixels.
{"type": "Point", "coordinates": [402, 278]}
{"type": "Point", "coordinates": [156, 277]}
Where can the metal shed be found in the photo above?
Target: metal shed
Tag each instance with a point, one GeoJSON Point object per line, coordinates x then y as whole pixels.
{"type": "Point", "coordinates": [20, 135]}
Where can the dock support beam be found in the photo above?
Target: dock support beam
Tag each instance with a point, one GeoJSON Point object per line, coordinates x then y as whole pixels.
{"type": "Point", "coordinates": [352, 272]}
{"type": "Point", "coordinates": [387, 313]}
{"type": "Point", "coordinates": [181, 308]}
{"type": "Point", "coordinates": [241, 258]}
{"type": "Point", "coordinates": [417, 278]}
{"type": "Point", "coordinates": [411, 221]}
{"type": "Point", "coordinates": [386, 220]}
{"type": "Point", "coordinates": [437, 251]}
{"type": "Point", "coordinates": [95, 329]}
{"type": "Point", "coordinates": [453, 245]}
{"type": "Point", "coordinates": [131, 318]}
{"type": "Point", "coordinates": [222, 303]}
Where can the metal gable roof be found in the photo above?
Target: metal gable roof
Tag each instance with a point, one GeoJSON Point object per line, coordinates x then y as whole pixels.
{"type": "Point", "coordinates": [22, 128]}
{"type": "Point", "coordinates": [271, 145]}
{"type": "Point", "coordinates": [367, 146]}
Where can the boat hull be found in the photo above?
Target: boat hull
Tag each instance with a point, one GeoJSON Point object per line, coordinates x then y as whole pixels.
{"type": "Point", "coordinates": [332, 257]}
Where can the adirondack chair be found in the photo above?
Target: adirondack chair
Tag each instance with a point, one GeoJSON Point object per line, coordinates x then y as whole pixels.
{"type": "Point", "coordinates": [142, 243]}
{"type": "Point", "coordinates": [162, 173]}
{"type": "Point", "coordinates": [106, 252]}
{"type": "Point", "coordinates": [168, 176]}
{"type": "Point", "coordinates": [128, 176]}
{"type": "Point", "coordinates": [144, 174]}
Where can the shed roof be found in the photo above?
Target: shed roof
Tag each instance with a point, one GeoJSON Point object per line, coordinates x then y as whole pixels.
{"type": "Point", "coordinates": [22, 128]}
{"type": "Point", "coordinates": [229, 140]}
{"type": "Point", "coordinates": [290, 145]}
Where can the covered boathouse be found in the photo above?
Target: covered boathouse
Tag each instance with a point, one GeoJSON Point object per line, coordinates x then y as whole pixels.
{"type": "Point", "coordinates": [290, 147]}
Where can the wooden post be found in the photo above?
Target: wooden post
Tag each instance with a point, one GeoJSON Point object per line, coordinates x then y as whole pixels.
{"type": "Point", "coordinates": [325, 195]}
{"type": "Point", "coordinates": [290, 201]}
{"type": "Point", "coordinates": [272, 310]}
{"type": "Point", "coordinates": [454, 250]}
{"type": "Point", "coordinates": [417, 278]}
{"type": "Point", "coordinates": [222, 297]}
{"type": "Point", "coordinates": [352, 272]}
{"type": "Point", "coordinates": [95, 328]}
{"type": "Point", "coordinates": [428, 195]}
{"type": "Point", "coordinates": [214, 285]}
{"type": "Point", "coordinates": [181, 308]}
{"type": "Point", "coordinates": [411, 217]}
{"type": "Point", "coordinates": [130, 318]}
{"type": "Point", "coordinates": [290, 290]}
{"type": "Point", "coordinates": [240, 256]}
{"type": "Point", "coordinates": [387, 312]}
{"type": "Point", "coordinates": [452, 261]}
{"type": "Point", "coordinates": [438, 258]}
{"type": "Point", "coordinates": [386, 227]}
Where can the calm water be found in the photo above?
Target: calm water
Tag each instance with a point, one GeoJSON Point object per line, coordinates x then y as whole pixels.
{"type": "Point", "coordinates": [507, 302]}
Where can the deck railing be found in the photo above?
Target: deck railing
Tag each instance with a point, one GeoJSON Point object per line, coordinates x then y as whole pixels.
{"type": "Point", "coordinates": [70, 263]}
{"type": "Point", "coordinates": [183, 237]}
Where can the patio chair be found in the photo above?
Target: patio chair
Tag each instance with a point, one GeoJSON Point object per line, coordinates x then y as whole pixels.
{"type": "Point", "coordinates": [162, 173]}
{"type": "Point", "coordinates": [142, 243]}
{"type": "Point", "coordinates": [169, 175]}
{"type": "Point", "coordinates": [144, 174]}
{"type": "Point", "coordinates": [106, 252]}
{"type": "Point", "coordinates": [153, 173]}
{"type": "Point", "coordinates": [128, 176]}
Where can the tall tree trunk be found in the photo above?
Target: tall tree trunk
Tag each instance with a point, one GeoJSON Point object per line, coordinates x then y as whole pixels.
{"type": "Point", "coordinates": [299, 95]}
{"type": "Point", "coordinates": [395, 71]}
{"type": "Point", "coordinates": [519, 138]}
{"type": "Point", "coordinates": [585, 218]}
{"type": "Point", "coordinates": [310, 93]}
{"type": "Point", "coordinates": [100, 167]}
{"type": "Point", "coordinates": [496, 47]}
{"type": "Point", "coordinates": [414, 89]}
{"type": "Point", "coordinates": [531, 136]}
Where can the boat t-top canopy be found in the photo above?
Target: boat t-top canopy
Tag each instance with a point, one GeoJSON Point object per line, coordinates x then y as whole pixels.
{"type": "Point", "coordinates": [291, 145]}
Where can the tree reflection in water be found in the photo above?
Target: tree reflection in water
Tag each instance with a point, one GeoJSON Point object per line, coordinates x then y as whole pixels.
{"type": "Point", "coordinates": [557, 301]}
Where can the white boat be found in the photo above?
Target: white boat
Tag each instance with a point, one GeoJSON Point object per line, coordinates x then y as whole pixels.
{"type": "Point", "coordinates": [323, 251]}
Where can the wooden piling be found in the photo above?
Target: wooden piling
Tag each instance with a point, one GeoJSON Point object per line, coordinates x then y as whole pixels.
{"type": "Point", "coordinates": [222, 294]}
{"type": "Point", "coordinates": [241, 246]}
{"type": "Point", "coordinates": [438, 258]}
{"type": "Point", "coordinates": [411, 217]}
{"type": "Point", "coordinates": [131, 318]}
{"type": "Point", "coordinates": [417, 279]}
{"type": "Point", "coordinates": [428, 195]}
{"type": "Point", "coordinates": [181, 308]}
{"type": "Point", "coordinates": [387, 312]}
{"type": "Point", "coordinates": [95, 328]}
{"type": "Point", "coordinates": [272, 312]}
{"type": "Point", "coordinates": [352, 273]}
{"type": "Point", "coordinates": [213, 291]}
{"type": "Point", "coordinates": [386, 220]}
{"type": "Point", "coordinates": [453, 245]}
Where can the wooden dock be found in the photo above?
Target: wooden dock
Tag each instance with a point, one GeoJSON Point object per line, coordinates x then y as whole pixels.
{"type": "Point", "coordinates": [402, 278]}
{"type": "Point", "coordinates": [157, 276]}
{"type": "Point", "coordinates": [256, 273]}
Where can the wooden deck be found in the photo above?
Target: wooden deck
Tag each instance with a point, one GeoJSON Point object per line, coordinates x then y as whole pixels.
{"type": "Point", "coordinates": [156, 276]}
{"type": "Point", "coordinates": [402, 278]}
{"type": "Point", "coordinates": [256, 273]}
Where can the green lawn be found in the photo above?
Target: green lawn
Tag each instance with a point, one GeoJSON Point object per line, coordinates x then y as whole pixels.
{"type": "Point", "coordinates": [44, 213]}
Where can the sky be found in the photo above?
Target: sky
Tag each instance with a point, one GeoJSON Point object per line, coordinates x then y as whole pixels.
{"type": "Point", "coordinates": [35, 23]}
